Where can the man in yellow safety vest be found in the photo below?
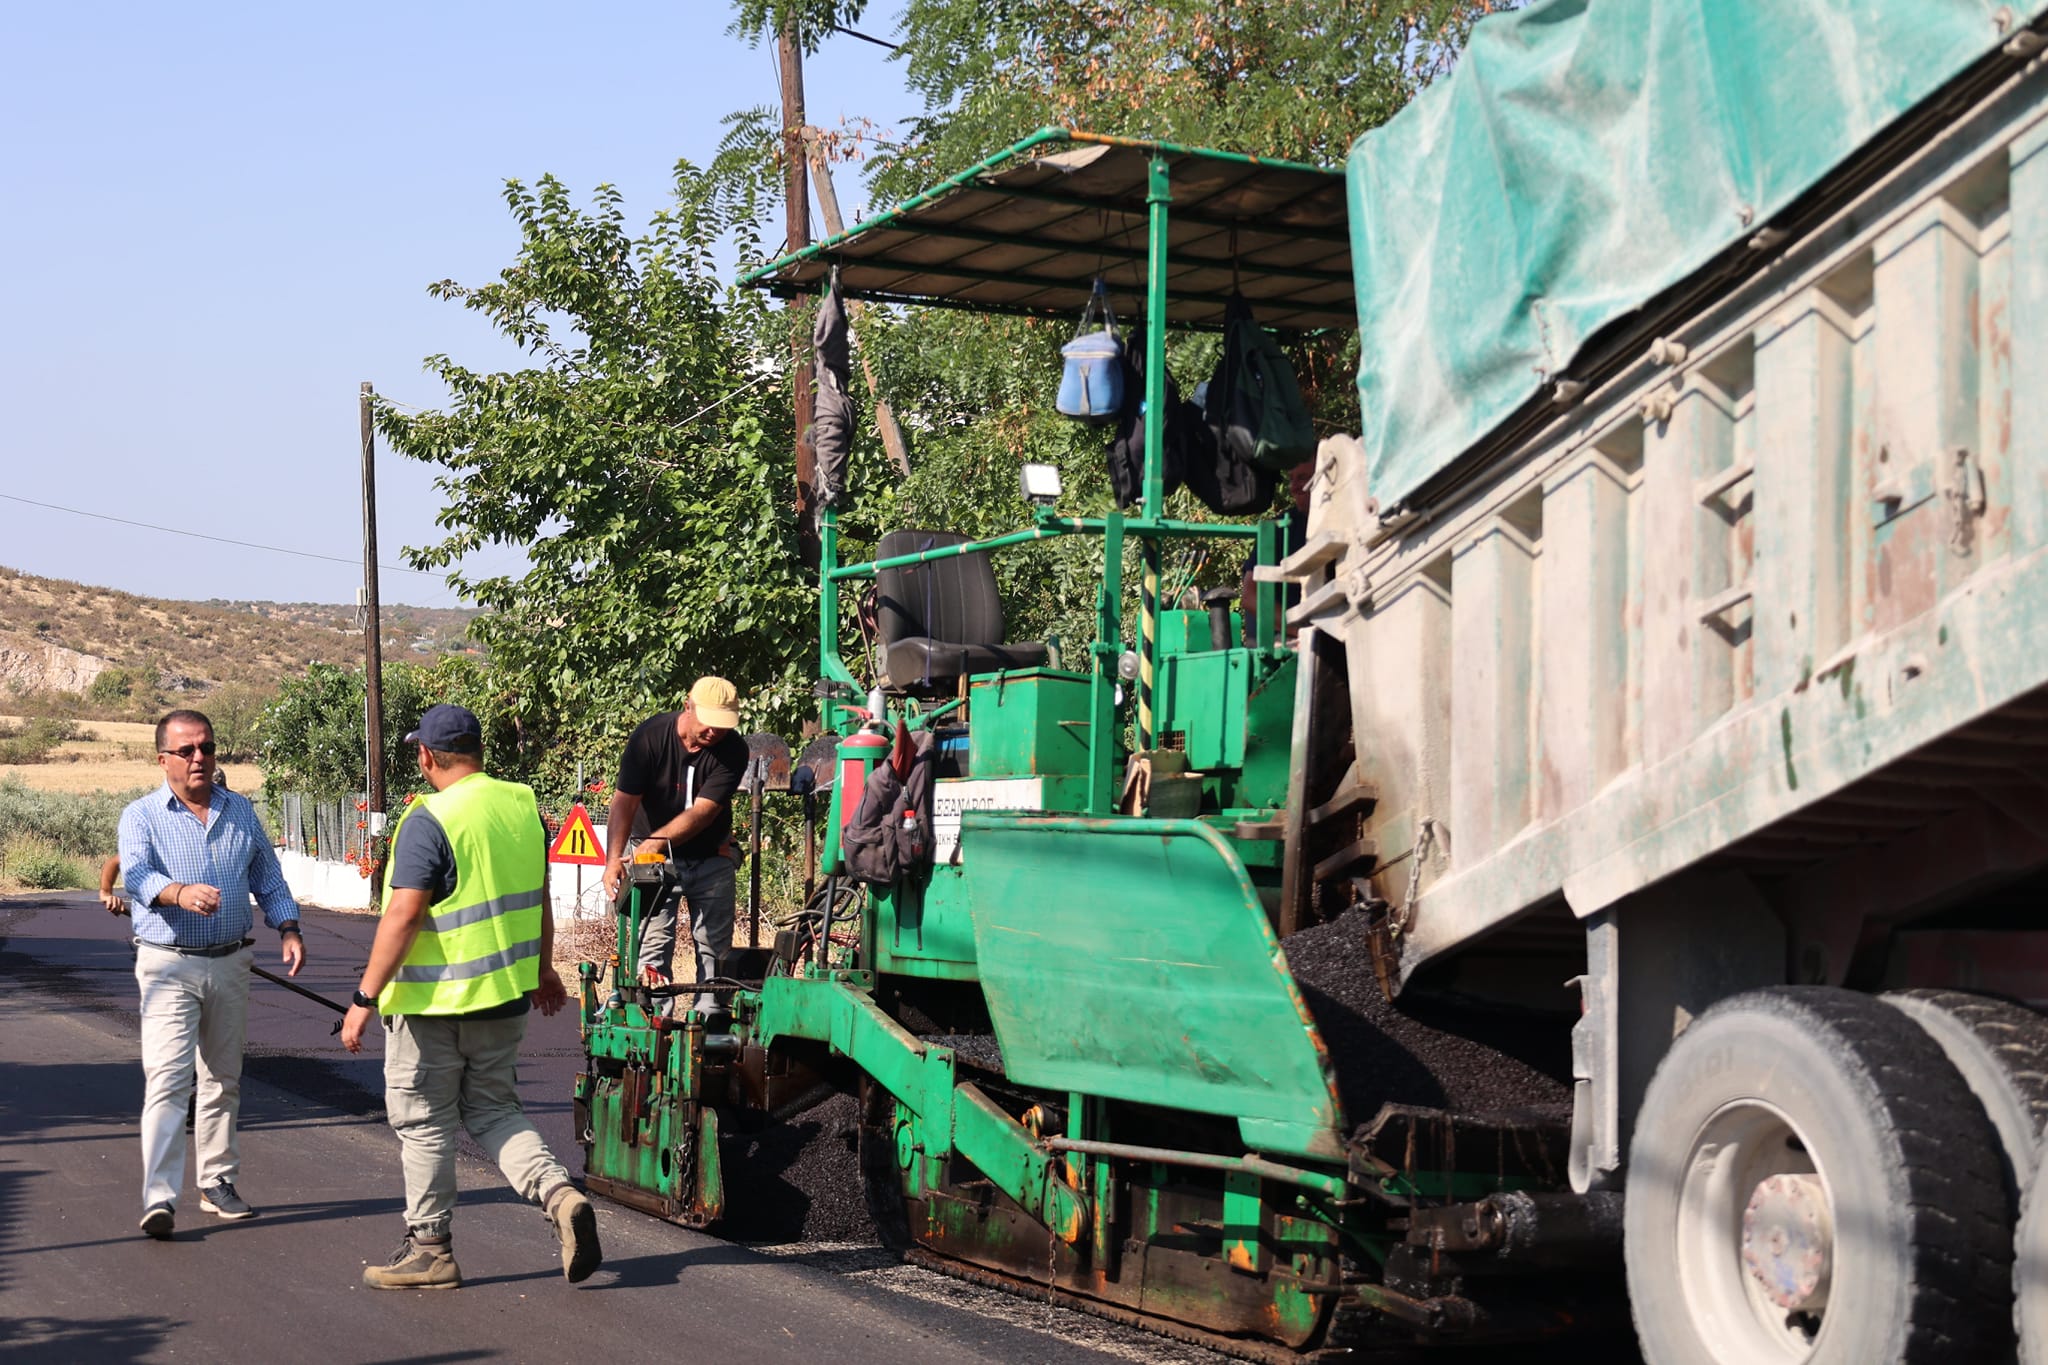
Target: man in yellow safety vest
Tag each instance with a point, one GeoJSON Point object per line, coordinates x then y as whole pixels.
{"type": "Point", "coordinates": [467, 939]}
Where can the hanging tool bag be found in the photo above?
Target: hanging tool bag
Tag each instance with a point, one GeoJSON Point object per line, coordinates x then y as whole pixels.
{"type": "Point", "coordinates": [1092, 380]}
{"type": "Point", "coordinates": [1254, 406]}
{"type": "Point", "coordinates": [890, 835]}
{"type": "Point", "coordinates": [1225, 482]}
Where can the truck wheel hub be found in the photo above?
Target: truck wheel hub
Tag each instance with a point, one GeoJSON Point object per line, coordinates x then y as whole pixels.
{"type": "Point", "coordinates": [1788, 1238]}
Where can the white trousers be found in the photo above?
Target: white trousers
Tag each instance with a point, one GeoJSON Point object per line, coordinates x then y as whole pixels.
{"type": "Point", "coordinates": [190, 1005]}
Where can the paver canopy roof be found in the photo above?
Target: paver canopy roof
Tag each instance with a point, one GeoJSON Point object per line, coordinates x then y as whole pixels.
{"type": "Point", "coordinates": [1029, 229]}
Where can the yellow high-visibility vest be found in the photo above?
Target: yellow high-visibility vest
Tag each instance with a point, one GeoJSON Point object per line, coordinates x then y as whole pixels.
{"type": "Point", "coordinates": [481, 946]}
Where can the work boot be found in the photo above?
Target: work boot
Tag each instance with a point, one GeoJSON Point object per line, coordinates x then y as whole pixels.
{"type": "Point", "coordinates": [576, 1224]}
{"type": "Point", "coordinates": [419, 1263]}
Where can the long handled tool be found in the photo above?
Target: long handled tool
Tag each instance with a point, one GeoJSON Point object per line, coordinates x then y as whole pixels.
{"type": "Point", "coordinates": [294, 987]}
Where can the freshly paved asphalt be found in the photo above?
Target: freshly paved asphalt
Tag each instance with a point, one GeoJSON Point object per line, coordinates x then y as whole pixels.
{"type": "Point", "coordinates": [79, 1282]}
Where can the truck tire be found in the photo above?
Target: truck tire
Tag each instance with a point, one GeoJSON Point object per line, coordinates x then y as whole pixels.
{"type": "Point", "coordinates": [2001, 1051]}
{"type": "Point", "coordinates": [2030, 1270]}
{"type": "Point", "coordinates": [1810, 1181]}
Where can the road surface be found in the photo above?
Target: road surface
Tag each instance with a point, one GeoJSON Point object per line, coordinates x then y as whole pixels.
{"type": "Point", "coordinates": [79, 1282]}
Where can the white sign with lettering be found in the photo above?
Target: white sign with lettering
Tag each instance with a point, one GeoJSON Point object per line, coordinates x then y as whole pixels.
{"type": "Point", "coordinates": [954, 795]}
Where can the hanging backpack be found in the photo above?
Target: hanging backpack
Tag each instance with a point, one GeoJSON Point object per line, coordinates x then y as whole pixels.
{"type": "Point", "coordinates": [1185, 435]}
{"type": "Point", "coordinates": [1092, 379]}
{"type": "Point", "coordinates": [1254, 405]}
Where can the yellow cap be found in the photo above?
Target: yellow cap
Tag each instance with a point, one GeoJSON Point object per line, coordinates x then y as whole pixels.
{"type": "Point", "coordinates": [715, 701]}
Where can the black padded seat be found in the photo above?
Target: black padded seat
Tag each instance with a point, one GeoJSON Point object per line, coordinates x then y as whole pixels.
{"type": "Point", "coordinates": [942, 621]}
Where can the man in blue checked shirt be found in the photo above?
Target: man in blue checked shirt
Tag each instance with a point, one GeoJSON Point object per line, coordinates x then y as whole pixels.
{"type": "Point", "coordinates": [192, 856]}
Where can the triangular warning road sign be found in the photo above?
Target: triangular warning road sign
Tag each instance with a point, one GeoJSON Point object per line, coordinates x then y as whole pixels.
{"type": "Point", "coordinates": [577, 843]}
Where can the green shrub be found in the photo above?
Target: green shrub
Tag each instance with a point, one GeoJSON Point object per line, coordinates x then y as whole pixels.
{"type": "Point", "coordinates": [80, 826]}
{"type": "Point", "coordinates": [40, 864]}
{"type": "Point", "coordinates": [111, 688]}
{"type": "Point", "coordinates": [32, 743]}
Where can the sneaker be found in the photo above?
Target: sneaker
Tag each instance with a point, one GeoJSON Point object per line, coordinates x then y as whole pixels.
{"type": "Point", "coordinates": [576, 1224]}
{"type": "Point", "coordinates": [223, 1200]}
{"type": "Point", "coordinates": [417, 1264]}
{"type": "Point", "coordinates": [158, 1221]}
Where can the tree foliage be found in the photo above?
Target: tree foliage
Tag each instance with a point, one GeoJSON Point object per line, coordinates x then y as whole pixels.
{"type": "Point", "coordinates": [311, 733]}
{"type": "Point", "coordinates": [642, 462]}
{"type": "Point", "coordinates": [642, 458]}
{"type": "Point", "coordinates": [756, 19]}
{"type": "Point", "coordinates": [1290, 78]}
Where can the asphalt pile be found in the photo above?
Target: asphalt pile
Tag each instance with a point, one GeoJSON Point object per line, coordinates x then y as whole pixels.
{"type": "Point", "coordinates": [798, 1181]}
{"type": "Point", "coordinates": [1467, 1057]}
{"type": "Point", "coordinates": [979, 1048]}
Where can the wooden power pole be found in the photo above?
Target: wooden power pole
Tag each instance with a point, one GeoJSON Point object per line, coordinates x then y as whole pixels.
{"type": "Point", "coordinates": [828, 205]}
{"type": "Point", "coordinates": [373, 644]}
{"type": "Point", "coordinates": [796, 191]}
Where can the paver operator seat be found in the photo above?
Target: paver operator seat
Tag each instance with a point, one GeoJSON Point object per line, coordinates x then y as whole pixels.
{"type": "Point", "coordinates": [941, 621]}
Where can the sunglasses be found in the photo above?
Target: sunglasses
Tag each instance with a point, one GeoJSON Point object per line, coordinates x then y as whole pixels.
{"type": "Point", "coordinates": [186, 751]}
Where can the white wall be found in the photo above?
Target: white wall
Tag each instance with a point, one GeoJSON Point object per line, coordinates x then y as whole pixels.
{"type": "Point", "coordinates": [339, 886]}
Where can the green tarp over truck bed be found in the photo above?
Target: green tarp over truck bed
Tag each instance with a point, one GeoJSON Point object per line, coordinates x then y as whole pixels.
{"type": "Point", "coordinates": [1587, 155]}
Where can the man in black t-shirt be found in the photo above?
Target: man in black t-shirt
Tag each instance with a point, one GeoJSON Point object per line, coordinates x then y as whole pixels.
{"type": "Point", "coordinates": [677, 779]}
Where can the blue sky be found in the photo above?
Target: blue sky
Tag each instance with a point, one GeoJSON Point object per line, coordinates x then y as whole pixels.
{"type": "Point", "coordinates": [221, 219]}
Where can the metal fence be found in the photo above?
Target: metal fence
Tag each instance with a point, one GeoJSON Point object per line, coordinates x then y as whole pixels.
{"type": "Point", "coordinates": [333, 831]}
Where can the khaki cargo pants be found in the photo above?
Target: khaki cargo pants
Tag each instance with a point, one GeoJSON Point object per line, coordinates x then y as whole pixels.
{"type": "Point", "coordinates": [442, 1075]}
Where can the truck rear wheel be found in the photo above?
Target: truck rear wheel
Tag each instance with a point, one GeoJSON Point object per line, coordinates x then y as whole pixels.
{"type": "Point", "coordinates": [2001, 1051]}
{"type": "Point", "coordinates": [1809, 1180]}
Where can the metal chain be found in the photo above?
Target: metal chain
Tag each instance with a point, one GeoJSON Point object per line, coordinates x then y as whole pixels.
{"type": "Point", "coordinates": [1052, 1271]}
{"type": "Point", "coordinates": [1424, 841]}
{"type": "Point", "coordinates": [689, 1160]}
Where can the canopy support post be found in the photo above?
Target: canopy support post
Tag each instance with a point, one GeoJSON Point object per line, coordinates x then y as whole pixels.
{"type": "Point", "coordinates": [1158, 195]}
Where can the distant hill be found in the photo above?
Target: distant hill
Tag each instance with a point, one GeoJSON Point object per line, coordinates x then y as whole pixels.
{"type": "Point", "coordinates": [58, 635]}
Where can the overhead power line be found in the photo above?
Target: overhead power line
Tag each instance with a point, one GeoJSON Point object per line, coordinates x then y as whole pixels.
{"type": "Point", "coordinates": [220, 540]}
{"type": "Point", "coordinates": [853, 33]}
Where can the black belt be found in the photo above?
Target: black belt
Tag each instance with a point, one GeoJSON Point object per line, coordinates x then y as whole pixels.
{"type": "Point", "coordinates": [216, 950]}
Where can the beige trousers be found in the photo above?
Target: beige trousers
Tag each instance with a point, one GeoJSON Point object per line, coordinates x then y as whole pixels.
{"type": "Point", "coordinates": [442, 1075]}
{"type": "Point", "coordinates": [190, 1005]}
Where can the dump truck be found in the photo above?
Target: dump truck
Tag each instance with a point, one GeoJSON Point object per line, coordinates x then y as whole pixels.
{"type": "Point", "coordinates": [1585, 894]}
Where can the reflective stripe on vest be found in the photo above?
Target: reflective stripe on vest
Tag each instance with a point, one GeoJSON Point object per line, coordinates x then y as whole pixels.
{"type": "Point", "coordinates": [480, 946]}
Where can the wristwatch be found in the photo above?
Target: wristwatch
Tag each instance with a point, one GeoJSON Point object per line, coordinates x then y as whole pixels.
{"type": "Point", "coordinates": [368, 1002]}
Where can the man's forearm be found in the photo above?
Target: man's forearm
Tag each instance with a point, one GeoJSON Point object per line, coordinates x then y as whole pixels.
{"type": "Point", "coordinates": [394, 938]}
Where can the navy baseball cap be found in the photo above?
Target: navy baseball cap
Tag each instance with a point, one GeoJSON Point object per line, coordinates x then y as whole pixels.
{"type": "Point", "coordinates": [448, 727]}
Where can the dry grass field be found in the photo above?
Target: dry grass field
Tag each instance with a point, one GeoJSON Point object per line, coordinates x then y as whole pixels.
{"type": "Point", "coordinates": [110, 756]}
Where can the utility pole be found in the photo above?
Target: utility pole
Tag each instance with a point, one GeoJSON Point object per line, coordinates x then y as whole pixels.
{"type": "Point", "coordinates": [373, 644]}
{"type": "Point", "coordinates": [828, 205]}
{"type": "Point", "coordinates": [796, 193]}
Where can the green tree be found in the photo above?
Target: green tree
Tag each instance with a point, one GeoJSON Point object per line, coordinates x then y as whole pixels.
{"type": "Point", "coordinates": [1291, 78]}
{"type": "Point", "coordinates": [311, 734]}
{"type": "Point", "coordinates": [235, 709]}
{"type": "Point", "coordinates": [642, 462]}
